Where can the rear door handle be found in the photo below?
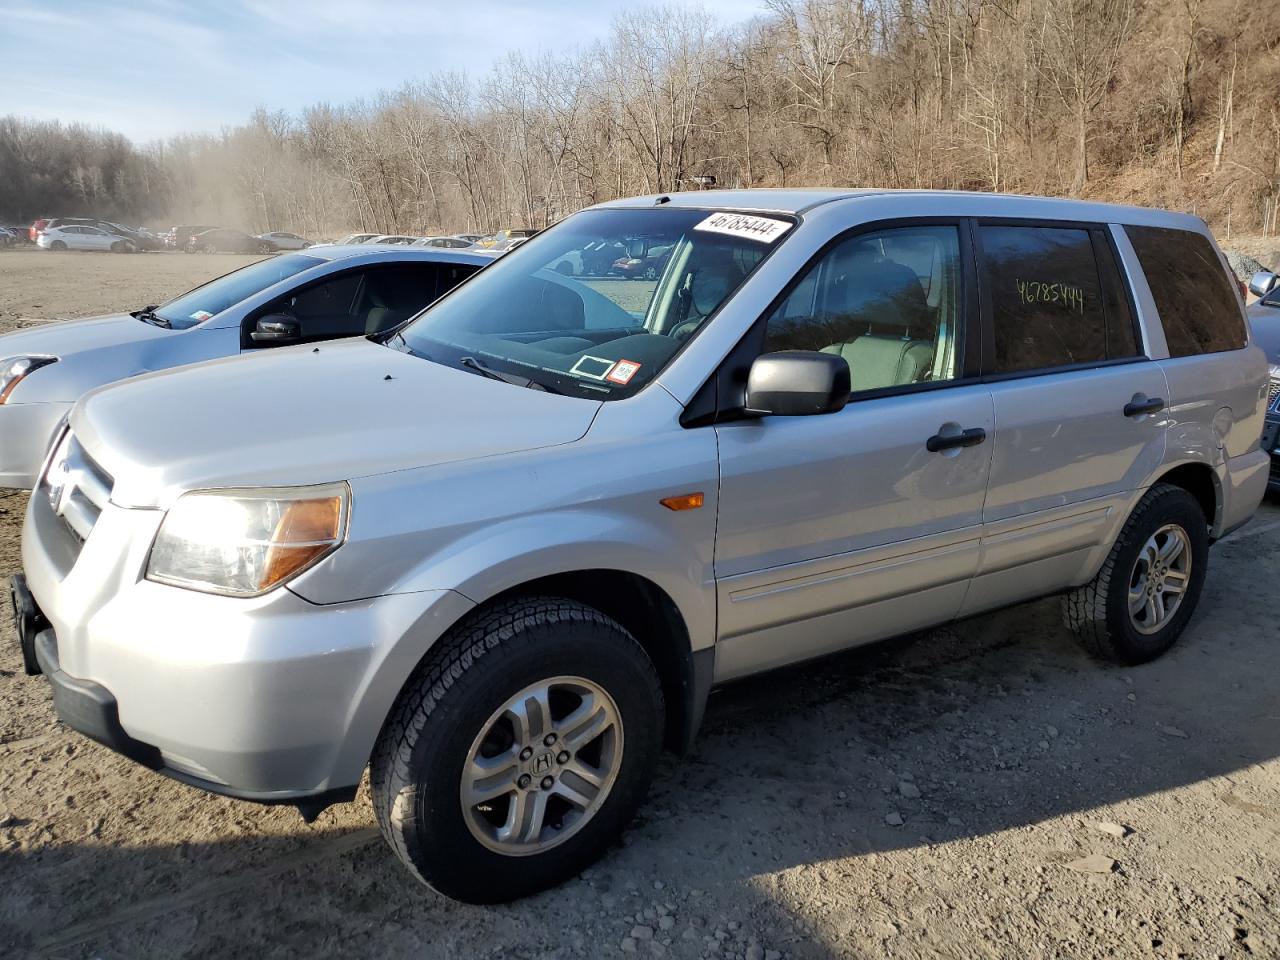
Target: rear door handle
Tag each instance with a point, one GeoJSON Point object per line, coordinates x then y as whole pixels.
{"type": "Point", "coordinates": [965, 438]}
{"type": "Point", "coordinates": [1137, 407]}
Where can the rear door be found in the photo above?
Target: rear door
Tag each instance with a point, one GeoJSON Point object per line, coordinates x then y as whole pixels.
{"type": "Point", "coordinates": [1205, 331]}
{"type": "Point", "coordinates": [1079, 422]}
{"type": "Point", "coordinates": [840, 529]}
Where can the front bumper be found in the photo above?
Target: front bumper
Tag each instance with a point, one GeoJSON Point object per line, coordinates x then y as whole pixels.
{"type": "Point", "coordinates": [26, 430]}
{"type": "Point", "coordinates": [273, 699]}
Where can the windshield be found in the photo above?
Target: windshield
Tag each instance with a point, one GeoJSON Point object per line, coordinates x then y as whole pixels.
{"type": "Point", "coordinates": [599, 304]}
{"type": "Point", "coordinates": [200, 304]}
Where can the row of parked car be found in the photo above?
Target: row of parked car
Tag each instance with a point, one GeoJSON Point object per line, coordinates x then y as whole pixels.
{"type": "Point", "coordinates": [497, 544]}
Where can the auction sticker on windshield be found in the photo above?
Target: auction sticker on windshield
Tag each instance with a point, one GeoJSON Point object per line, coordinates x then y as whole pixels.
{"type": "Point", "coordinates": [764, 229]}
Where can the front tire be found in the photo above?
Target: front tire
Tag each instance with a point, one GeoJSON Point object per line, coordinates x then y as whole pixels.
{"type": "Point", "coordinates": [518, 750]}
{"type": "Point", "coordinates": [1147, 590]}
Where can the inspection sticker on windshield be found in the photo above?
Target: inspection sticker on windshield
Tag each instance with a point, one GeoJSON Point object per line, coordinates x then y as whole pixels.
{"type": "Point", "coordinates": [201, 315]}
{"type": "Point", "coordinates": [764, 229]}
{"type": "Point", "coordinates": [623, 371]}
{"type": "Point", "coordinates": [594, 367]}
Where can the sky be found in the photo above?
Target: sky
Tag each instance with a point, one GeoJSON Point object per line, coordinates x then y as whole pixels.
{"type": "Point", "coordinates": [154, 68]}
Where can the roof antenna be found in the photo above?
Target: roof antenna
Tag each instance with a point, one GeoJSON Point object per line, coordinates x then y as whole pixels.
{"type": "Point", "coordinates": [661, 200]}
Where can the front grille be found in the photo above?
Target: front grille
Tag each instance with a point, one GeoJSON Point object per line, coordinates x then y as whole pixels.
{"type": "Point", "coordinates": [77, 489]}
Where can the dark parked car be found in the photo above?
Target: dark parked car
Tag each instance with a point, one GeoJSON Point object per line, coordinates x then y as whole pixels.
{"type": "Point", "coordinates": [179, 236]}
{"type": "Point", "coordinates": [1264, 317]}
{"type": "Point", "coordinates": [223, 240]}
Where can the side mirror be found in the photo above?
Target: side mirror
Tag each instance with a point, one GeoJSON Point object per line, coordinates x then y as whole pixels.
{"type": "Point", "coordinates": [277, 329]}
{"type": "Point", "coordinates": [1262, 283]}
{"type": "Point", "coordinates": [797, 383]}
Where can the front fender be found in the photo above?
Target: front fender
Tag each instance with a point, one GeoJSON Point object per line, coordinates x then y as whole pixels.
{"type": "Point", "coordinates": [482, 527]}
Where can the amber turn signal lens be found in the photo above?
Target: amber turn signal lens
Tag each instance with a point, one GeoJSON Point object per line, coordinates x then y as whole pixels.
{"type": "Point", "coordinates": [306, 529]}
{"type": "Point", "coordinates": [686, 501]}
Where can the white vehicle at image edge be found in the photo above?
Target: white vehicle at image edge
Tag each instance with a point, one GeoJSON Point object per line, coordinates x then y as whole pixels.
{"type": "Point", "coordinates": [79, 237]}
{"type": "Point", "coordinates": [280, 240]}
{"type": "Point", "coordinates": [294, 298]}
{"type": "Point", "coordinates": [500, 555]}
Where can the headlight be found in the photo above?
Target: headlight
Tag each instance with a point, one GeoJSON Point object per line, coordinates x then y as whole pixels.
{"type": "Point", "coordinates": [13, 369]}
{"type": "Point", "coordinates": [241, 543]}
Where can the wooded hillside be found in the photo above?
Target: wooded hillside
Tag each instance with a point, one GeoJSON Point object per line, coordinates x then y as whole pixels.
{"type": "Point", "coordinates": [1172, 103]}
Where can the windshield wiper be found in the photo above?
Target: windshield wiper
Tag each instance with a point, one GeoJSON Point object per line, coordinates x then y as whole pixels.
{"type": "Point", "coordinates": [148, 315]}
{"type": "Point", "coordinates": [471, 363]}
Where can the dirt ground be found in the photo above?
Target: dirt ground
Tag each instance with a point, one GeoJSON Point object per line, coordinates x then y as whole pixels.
{"type": "Point", "coordinates": [927, 797]}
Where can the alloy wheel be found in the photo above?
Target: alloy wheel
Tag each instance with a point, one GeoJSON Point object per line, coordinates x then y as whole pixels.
{"type": "Point", "coordinates": [542, 766]}
{"type": "Point", "coordinates": [1160, 578]}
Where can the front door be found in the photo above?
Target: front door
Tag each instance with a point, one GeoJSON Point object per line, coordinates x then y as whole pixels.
{"type": "Point", "coordinates": [840, 529]}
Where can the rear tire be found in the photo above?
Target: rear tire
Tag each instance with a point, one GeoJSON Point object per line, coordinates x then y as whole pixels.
{"type": "Point", "coordinates": [57, 245]}
{"type": "Point", "coordinates": [455, 716]}
{"type": "Point", "coordinates": [1137, 573]}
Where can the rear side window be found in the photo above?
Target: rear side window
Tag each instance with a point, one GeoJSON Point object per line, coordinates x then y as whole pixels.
{"type": "Point", "coordinates": [1050, 304]}
{"type": "Point", "coordinates": [1194, 296]}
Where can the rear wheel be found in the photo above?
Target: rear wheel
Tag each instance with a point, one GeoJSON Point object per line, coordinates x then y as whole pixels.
{"type": "Point", "coordinates": [265, 247]}
{"type": "Point", "coordinates": [518, 751]}
{"type": "Point", "coordinates": [1147, 590]}
{"type": "Point", "coordinates": [210, 248]}
{"type": "Point", "coordinates": [57, 245]}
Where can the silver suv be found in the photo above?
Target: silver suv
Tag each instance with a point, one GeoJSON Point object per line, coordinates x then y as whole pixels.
{"type": "Point", "coordinates": [500, 556]}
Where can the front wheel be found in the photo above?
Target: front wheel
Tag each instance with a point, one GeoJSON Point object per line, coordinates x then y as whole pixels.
{"type": "Point", "coordinates": [518, 751]}
{"type": "Point", "coordinates": [265, 248]}
{"type": "Point", "coordinates": [1144, 595]}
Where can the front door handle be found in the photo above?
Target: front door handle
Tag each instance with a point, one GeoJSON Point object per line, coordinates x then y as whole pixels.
{"type": "Point", "coordinates": [965, 438]}
{"type": "Point", "coordinates": [1140, 405]}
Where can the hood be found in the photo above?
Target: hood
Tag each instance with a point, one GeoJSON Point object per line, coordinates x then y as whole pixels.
{"type": "Point", "coordinates": [97, 351]}
{"type": "Point", "coordinates": [66, 338]}
{"type": "Point", "coordinates": [303, 415]}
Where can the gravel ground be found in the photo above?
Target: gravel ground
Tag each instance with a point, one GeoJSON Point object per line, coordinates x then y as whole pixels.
{"type": "Point", "coordinates": [983, 790]}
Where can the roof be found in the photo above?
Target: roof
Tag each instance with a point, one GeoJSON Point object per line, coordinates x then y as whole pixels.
{"type": "Point", "coordinates": [800, 199]}
{"type": "Point", "coordinates": [394, 252]}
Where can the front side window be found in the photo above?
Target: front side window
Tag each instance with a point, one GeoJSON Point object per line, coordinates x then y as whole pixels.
{"type": "Point", "coordinates": [1047, 299]}
{"type": "Point", "coordinates": [889, 302]}
{"type": "Point", "coordinates": [366, 301]}
{"type": "Point", "coordinates": [1193, 294]}
{"type": "Point", "coordinates": [212, 298]}
{"type": "Point", "coordinates": [569, 311]}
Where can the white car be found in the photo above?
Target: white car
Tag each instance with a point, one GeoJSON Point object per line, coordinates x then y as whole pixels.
{"type": "Point", "coordinates": [284, 241]}
{"type": "Point", "coordinates": [395, 239]}
{"type": "Point", "coordinates": [78, 237]}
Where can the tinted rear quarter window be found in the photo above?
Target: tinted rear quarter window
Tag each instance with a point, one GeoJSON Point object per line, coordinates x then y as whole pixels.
{"type": "Point", "coordinates": [1193, 294]}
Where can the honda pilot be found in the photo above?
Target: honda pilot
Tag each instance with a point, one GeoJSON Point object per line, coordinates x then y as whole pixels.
{"type": "Point", "coordinates": [498, 556]}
